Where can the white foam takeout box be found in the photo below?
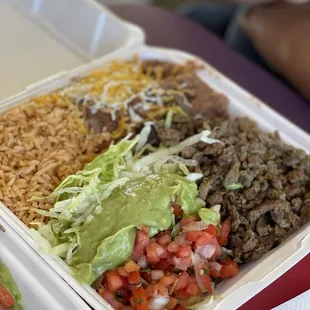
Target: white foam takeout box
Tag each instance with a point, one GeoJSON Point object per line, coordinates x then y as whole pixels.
{"type": "Point", "coordinates": [40, 287]}
{"type": "Point", "coordinates": [39, 38]}
{"type": "Point", "coordinates": [252, 277]}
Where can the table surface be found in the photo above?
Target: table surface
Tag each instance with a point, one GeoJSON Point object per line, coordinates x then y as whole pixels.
{"type": "Point", "coordinates": [168, 29]}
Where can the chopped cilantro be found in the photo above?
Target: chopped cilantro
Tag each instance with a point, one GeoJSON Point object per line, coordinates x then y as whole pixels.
{"type": "Point", "coordinates": [139, 301]}
{"type": "Point", "coordinates": [206, 271]}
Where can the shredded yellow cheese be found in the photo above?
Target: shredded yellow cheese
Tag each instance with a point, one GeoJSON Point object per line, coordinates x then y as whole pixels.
{"type": "Point", "coordinates": [114, 86]}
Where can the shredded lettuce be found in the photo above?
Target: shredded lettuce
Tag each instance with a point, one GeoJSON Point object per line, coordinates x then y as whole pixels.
{"type": "Point", "coordinates": [209, 216]}
{"type": "Point", "coordinates": [150, 159]}
{"type": "Point", "coordinates": [81, 198]}
{"type": "Point", "coordinates": [169, 118]}
{"type": "Point", "coordinates": [144, 135]}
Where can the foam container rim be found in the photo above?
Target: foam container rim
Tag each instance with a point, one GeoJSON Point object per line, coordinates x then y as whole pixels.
{"type": "Point", "coordinates": [37, 281]}
{"type": "Point", "coordinates": [46, 32]}
{"type": "Point", "coordinates": [253, 277]}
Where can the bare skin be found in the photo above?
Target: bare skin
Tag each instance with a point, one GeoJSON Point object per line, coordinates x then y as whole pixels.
{"type": "Point", "coordinates": [281, 33]}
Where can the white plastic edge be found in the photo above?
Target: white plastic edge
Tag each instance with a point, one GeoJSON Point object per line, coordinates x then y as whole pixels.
{"type": "Point", "coordinates": [262, 272]}
{"type": "Point", "coordinates": [36, 279]}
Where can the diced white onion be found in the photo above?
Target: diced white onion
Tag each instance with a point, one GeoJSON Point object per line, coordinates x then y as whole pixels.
{"type": "Point", "coordinates": [206, 251]}
{"type": "Point", "coordinates": [142, 262]}
{"type": "Point", "coordinates": [177, 262]}
{"type": "Point", "coordinates": [160, 251]}
{"type": "Point", "coordinates": [157, 274]}
{"type": "Point", "coordinates": [158, 303]}
{"type": "Point", "coordinates": [180, 240]}
{"type": "Point", "coordinates": [197, 261]}
{"type": "Point", "coordinates": [215, 266]}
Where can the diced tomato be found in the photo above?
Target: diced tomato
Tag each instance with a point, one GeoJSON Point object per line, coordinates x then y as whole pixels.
{"type": "Point", "coordinates": [162, 252]}
{"type": "Point", "coordinates": [154, 290]}
{"type": "Point", "coordinates": [192, 279]}
{"type": "Point", "coordinates": [150, 291]}
{"type": "Point", "coordinates": [224, 232]}
{"type": "Point", "coordinates": [204, 239]}
{"type": "Point", "coordinates": [193, 235]}
{"type": "Point", "coordinates": [132, 301]}
{"type": "Point", "coordinates": [183, 281]}
{"type": "Point", "coordinates": [121, 271]}
{"type": "Point", "coordinates": [114, 281]}
{"type": "Point", "coordinates": [123, 295]}
{"type": "Point", "coordinates": [142, 240]}
{"type": "Point", "coordinates": [140, 300]}
{"type": "Point", "coordinates": [146, 276]}
{"type": "Point", "coordinates": [229, 269]}
{"type": "Point", "coordinates": [177, 210]}
{"type": "Point", "coordinates": [211, 230]}
{"type": "Point", "coordinates": [189, 219]}
{"type": "Point", "coordinates": [218, 248]}
{"type": "Point", "coordinates": [186, 261]}
{"type": "Point", "coordinates": [164, 239]}
{"type": "Point", "coordinates": [192, 289]}
{"type": "Point", "coordinates": [184, 251]}
{"type": "Point", "coordinates": [134, 277]}
{"type": "Point", "coordinates": [125, 283]}
{"type": "Point", "coordinates": [214, 273]}
{"type": "Point", "coordinates": [179, 307]}
{"type": "Point", "coordinates": [172, 247]}
{"type": "Point", "coordinates": [131, 266]}
{"type": "Point", "coordinates": [180, 263]}
{"type": "Point", "coordinates": [151, 254]}
{"type": "Point", "coordinates": [110, 298]}
{"type": "Point", "coordinates": [207, 283]}
{"type": "Point", "coordinates": [180, 294]}
{"type": "Point", "coordinates": [172, 303]}
{"type": "Point", "coordinates": [163, 264]}
{"type": "Point", "coordinates": [6, 299]}
{"type": "Point", "coordinates": [168, 279]}
{"type": "Point", "coordinates": [154, 252]}
{"type": "Point", "coordinates": [161, 290]}
{"type": "Point", "coordinates": [105, 285]}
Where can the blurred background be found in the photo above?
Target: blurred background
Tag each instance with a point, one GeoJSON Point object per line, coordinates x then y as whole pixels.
{"type": "Point", "coordinates": [163, 3]}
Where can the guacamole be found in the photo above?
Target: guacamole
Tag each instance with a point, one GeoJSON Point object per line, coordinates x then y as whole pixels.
{"type": "Point", "coordinates": [97, 210]}
{"type": "Point", "coordinates": [108, 239]}
{"type": "Point", "coordinates": [7, 281]}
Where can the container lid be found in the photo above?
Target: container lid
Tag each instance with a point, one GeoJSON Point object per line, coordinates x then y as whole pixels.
{"type": "Point", "coordinates": [40, 38]}
{"type": "Point", "coordinates": [40, 287]}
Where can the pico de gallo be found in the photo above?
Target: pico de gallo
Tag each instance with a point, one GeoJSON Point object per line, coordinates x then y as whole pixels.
{"type": "Point", "coordinates": [10, 297]}
{"type": "Point", "coordinates": [172, 269]}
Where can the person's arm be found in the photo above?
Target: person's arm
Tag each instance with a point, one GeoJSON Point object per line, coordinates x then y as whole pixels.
{"type": "Point", "coordinates": [281, 34]}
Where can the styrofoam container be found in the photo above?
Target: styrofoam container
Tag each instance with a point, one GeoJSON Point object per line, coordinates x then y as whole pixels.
{"type": "Point", "coordinates": [253, 277]}
{"type": "Point", "coordinates": [40, 287]}
{"type": "Point", "coordinates": [43, 37]}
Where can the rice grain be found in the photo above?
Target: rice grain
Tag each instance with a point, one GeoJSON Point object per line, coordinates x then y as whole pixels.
{"type": "Point", "coordinates": [41, 142]}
